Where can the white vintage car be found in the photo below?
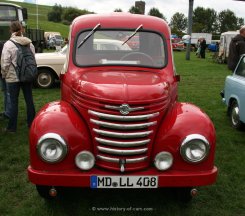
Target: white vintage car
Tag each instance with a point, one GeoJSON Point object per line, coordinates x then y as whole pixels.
{"type": "Point", "coordinates": [49, 67]}
{"type": "Point", "coordinates": [50, 64]}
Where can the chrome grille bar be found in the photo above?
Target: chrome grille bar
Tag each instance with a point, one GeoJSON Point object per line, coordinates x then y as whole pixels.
{"type": "Point", "coordinates": [116, 160]}
{"type": "Point", "coordinates": [122, 135]}
{"type": "Point", "coordinates": [123, 118]}
{"type": "Point", "coordinates": [122, 144]}
{"type": "Point", "coordinates": [123, 126]}
{"type": "Point", "coordinates": [121, 151]}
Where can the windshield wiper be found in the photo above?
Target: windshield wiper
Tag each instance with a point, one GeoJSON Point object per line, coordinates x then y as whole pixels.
{"type": "Point", "coordinates": [134, 33]}
{"type": "Point", "coordinates": [89, 35]}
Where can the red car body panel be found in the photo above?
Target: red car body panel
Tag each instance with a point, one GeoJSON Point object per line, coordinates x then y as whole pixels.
{"type": "Point", "coordinates": [92, 88]}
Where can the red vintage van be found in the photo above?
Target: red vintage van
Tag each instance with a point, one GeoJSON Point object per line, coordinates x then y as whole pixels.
{"type": "Point", "coordinates": [118, 123]}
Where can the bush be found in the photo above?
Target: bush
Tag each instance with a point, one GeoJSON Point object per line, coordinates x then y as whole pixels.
{"type": "Point", "coordinates": [55, 14]}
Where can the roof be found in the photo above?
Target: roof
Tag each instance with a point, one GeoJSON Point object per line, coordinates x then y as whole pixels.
{"type": "Point", "coordinates": [10, 4]}
{"type": "Point", "coordinates": [230, 33]}
{"type": "Point", "coordinates": [119, 20]}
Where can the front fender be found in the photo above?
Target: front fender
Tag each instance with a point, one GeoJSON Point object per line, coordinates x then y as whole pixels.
{"type": "Point", "coordinates": [185, 119]}
{"type": "Point", "coordinates": [61, 118]}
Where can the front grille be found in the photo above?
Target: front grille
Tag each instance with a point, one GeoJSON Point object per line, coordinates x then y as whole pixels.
{"type": "Point", "coordinates": [121, 142]}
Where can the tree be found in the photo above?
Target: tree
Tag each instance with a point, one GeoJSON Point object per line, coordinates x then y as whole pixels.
{"type": "Point", "coordinates": [228, 21]}
{"type": "Point", "coordinates": [118, 10]}
{"type": "Point", "coordinates": [204, 20]}
{"type": "Point", "coordinates": [240, 21]}
{"type": "Point", "coordinates": [155, 12]}
{"type": "Point", "coordinates": [71, 13]}
{"type": "Point", "coordinates": [56, 13]}
{"type": "Point", "coordinates": [134, 10]}
{"type": "Point", "coordinates": [178, 23]}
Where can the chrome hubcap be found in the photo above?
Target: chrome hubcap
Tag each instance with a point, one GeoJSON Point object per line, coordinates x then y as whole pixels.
{"type": "Point", "coordinates": [235, 115]}
{"type": "Point", "coordinates": [44, 79]}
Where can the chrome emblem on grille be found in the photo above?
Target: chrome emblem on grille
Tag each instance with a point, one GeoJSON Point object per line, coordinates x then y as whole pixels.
{"type": "Point", "coordinates": [124, 109]}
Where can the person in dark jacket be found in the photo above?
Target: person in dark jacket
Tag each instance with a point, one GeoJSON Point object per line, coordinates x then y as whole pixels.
{"type": "Point", "coordinates": [236, 49]}
{"type": "Point", "coordinates": [203, 46]}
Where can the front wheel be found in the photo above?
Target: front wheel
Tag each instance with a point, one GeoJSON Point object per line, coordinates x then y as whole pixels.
{"type": "Point", "coordinates": [45, 79]}
{"type": "Point", "coordinates": [234, 115]}
{"type": "Point", "coordinates": [184, 194]}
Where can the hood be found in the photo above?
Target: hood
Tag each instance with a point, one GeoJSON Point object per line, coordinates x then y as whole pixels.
{"type": "Point", "coordinates": [123, 86]}
{"type": "Point", "coordinates": [21, 40]}
{"type": "Point", "coordinates": [47, 55]}
{"type": "Point", "coordinates": [54, 58]}
{"type": "Point", "coordinates": [238, 38]}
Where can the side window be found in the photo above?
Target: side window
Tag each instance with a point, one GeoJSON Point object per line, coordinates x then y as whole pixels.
{"type": "Point", "coordinates": [241, 68]}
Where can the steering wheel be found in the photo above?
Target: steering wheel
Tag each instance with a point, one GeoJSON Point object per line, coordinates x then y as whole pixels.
{"type": "Point", "coordinates": [137, 56]}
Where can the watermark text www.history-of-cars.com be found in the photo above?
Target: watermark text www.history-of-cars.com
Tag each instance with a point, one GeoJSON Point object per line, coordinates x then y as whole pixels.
{"type": "Point", "coordinates": [121, 209]}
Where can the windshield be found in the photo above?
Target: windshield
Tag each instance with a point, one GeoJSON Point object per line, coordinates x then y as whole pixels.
{"type": "Point", "coordinates": [119, 47]}
{"type": "Point", "coordinates": [58, 37]}
{"type": "Point", "coordinates": [7, 13]}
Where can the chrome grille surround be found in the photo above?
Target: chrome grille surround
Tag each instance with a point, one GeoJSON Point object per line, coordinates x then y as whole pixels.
{"type": "Point", "coordinates": [102, 114]}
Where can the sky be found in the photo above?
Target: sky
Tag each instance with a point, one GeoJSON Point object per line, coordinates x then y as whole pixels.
{"type": "Point", "coordinates": [167, 7]}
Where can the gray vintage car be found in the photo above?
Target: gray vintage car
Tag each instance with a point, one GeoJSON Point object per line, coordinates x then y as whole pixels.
{"type": "Point", "coordinates": [234, 95]}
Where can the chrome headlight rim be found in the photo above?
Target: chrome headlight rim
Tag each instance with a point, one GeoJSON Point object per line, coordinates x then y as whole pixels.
{"type": "Point", "coordinates": [160, 155]}
{"type": "Point", "coordinates": [90, 164]}
{"type": "Point", "coordinates": [59, 142]}
{"type": "Point", "coordinates": [187, 141]}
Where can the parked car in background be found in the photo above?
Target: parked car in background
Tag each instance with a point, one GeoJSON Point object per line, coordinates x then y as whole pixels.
{"type": "Point", "coordinates": [133, 42]}
{"type": "Point", "coordinates": [214, 46]}
{"type": "Point", "coordinates": [108, 44]}
{"type": "Point", "coordinates": [225, 39]}
{"type": "Point", "coordinates": [178, 46]}
{"type": "Point", "coordinates": [50, 64]}
{"type": "Point", "coordinates": [53, 40]}
{"type": "Point", "coordinates": [234, 95]}
{"type": "Point", "coordinates": [49, 67]}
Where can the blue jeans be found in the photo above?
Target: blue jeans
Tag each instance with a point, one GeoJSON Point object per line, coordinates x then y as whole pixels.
{"type": "Point", "coordinates": [6, 100]}
{"type": "Point", "coordinates": [14, 90]}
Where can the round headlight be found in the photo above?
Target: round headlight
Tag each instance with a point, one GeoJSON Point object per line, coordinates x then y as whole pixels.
{"type": "Point", "coordinates": [194, 148]}
{"type": "Point", "coordinates": [52, 148]}
{"type": "Point", "coordinates": [85, 160]}
{"type": "Point", "coordinates": [163, 160]}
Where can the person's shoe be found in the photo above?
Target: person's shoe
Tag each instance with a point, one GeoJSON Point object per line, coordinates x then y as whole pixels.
{"type": "Point", "coordinates": [6, 130]}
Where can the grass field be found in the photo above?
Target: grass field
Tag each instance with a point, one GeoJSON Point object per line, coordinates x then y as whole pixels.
{"type": "Point", "coordinates": [201, 82]}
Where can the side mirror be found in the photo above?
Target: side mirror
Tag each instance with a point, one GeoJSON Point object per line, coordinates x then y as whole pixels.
{"type": "Point", "coordinates": [177, 78]}
{"type": "Point", "coordinates": [24, 12]}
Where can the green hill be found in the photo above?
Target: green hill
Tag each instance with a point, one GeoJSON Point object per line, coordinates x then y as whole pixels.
{"type": "Point", "coordinates": [42, 21]}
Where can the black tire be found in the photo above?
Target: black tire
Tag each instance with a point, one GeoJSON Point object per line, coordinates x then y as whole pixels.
{"type": "Point", "coordinates": [45, 79]}
{"type": "Point", "coordinates": [43, 191]}
{"type": "Point", "coordinates": [184, 194]}
{"type": "Point", "coordinates": [234, 116]}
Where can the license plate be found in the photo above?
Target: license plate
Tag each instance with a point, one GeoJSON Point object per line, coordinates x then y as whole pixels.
{"type": "Point", "coordinates": [124, 181]}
